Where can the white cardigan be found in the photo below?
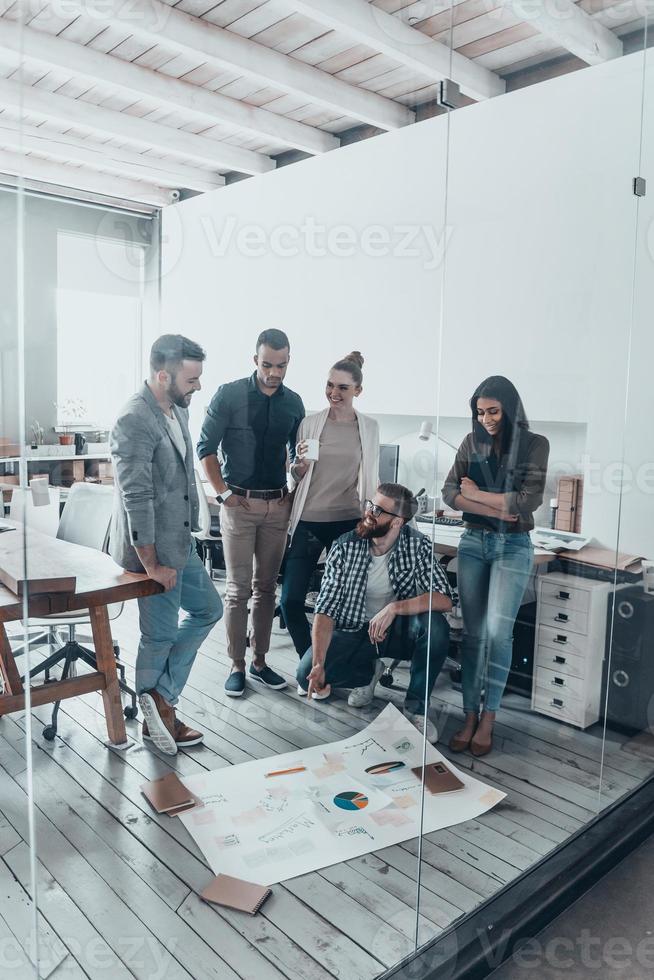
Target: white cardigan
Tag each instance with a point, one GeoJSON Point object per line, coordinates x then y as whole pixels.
{"type": "Point", "coordinates": [310, 428]}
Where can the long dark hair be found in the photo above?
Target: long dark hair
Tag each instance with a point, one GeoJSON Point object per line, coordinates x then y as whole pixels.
{"type": "Point", "coordinates": [514, 417]}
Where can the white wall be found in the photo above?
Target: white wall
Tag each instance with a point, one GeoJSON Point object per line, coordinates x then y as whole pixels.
{"type": "Point", "coordinates": [541, 226]}
{"type": "Point", "coordinates": [385, 306]}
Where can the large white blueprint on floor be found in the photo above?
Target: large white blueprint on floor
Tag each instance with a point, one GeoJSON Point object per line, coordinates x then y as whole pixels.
{"type": "Point", "coordinates": [354, 796]}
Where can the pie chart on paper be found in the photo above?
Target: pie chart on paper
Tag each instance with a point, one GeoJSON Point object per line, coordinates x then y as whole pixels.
{"type": "Point", "coordinates": [351, 801]}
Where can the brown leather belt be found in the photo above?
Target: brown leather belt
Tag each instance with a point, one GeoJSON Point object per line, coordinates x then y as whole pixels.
{"type": "Point", "coordinates": [259, 494]}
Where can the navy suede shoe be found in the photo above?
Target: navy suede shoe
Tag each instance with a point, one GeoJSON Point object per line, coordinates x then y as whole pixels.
{"type": "Point", "coordinates": [235, 684]}
{"type": "Point", "coordinates": [267, 677]}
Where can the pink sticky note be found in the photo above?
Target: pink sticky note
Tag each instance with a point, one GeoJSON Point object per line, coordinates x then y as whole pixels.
{"type": "Point", "coordinates": [203, 817]}
{"type": "Point", "coordinates": [490, 797]}
{"type": "Point", "coordinates": [250, 816]}
{"type": "Point", "coordinates": [324, 772]}
{"type": "Point", "coordinates": [405, 801]}
{"type": "Point", "coordinates": [278, 792]}
{"type": "Point", "coordinates": [390, 818]}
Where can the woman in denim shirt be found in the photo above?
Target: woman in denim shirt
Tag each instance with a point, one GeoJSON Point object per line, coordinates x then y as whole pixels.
{"type": "Point", "coordinates": [497, 480]}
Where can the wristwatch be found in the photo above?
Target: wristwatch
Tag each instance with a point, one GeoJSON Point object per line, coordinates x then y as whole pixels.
{"type": "Point", "coordinates": [225, 495]}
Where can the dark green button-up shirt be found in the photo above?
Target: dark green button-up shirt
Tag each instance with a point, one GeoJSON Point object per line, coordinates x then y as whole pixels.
{"type": "Point", "coordinates": [252, 432]}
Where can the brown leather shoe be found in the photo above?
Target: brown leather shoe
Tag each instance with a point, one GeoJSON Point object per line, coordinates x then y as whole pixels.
{"type": "Point", "coordinates": [461, 740]}
{"type": "Point", "coordinates": [185, 736]}
{"type": "Point", "coordinates": [159, 721]}
{"type": "Point", "coordinates": [482, 741]}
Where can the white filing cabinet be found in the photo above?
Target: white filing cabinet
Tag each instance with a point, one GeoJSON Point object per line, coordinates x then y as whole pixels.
{"type": "Point", "coordinates": [569, 647]}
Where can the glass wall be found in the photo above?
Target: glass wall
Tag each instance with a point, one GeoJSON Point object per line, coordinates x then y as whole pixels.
{"type": "Point", "coordinates": [547, 237]}
{"type": "Point", "coordinates": [18, 924]}
{"type": "Point", "coordinates": [403, 658]}
{"type": "Point", "coordinates": [627, 687]}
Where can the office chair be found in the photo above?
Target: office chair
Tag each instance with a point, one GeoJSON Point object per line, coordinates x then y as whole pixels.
{"type": "Point", "coordinates": [44, 518]}
{"type": "Point", "coordinates": [206, 538]}
{"type": "Point", "coordinates": [85, 521]}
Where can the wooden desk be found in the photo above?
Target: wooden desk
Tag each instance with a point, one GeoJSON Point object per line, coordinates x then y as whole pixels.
{"type": "Point", "coordinates": [99, 582]}
{"type": "Point", "coordinates": [446, 541]}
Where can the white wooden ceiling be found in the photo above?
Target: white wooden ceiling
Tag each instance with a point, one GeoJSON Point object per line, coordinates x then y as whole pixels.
{"type": "Point", "coordinates": [134, 98]}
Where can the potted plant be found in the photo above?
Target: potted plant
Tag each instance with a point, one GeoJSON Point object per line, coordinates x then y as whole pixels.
{"type": "Point", "coordinates": [70, 413]}
{"type": "Point", "coordinates": [38, 434]}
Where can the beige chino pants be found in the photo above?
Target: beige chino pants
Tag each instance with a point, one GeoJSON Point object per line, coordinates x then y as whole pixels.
{"type": "Point", "coordinates": [254, 542]}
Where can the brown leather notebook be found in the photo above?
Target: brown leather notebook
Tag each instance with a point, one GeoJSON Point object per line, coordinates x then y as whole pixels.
{"type": "Point", "coordinates": [236, 894]}
{"type": "Point", "coordinates": [438, 778]}
{"type": "Point", "coordinates": [168, 794]}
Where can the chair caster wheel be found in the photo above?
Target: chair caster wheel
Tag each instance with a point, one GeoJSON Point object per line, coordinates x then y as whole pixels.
{"type": "Point", "coordinates": [49, 733]}
{"type": "Point", "coordinates": [386, 679]}
{"type": "Point", "coordinates": [131, 713]}
{"type": "Point", "coordinates": [116, 651]}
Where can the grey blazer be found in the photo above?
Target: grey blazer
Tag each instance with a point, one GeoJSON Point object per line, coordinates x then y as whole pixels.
{"type": "Point", "coordinates": [156, 499]}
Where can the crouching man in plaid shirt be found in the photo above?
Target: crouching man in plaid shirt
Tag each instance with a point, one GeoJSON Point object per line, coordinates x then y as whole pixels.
{"type": "Point", "coordinates": [383, 595]}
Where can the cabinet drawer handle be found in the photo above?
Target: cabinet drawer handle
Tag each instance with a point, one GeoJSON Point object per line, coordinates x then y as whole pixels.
{"type": "Point", "coordinates": [559, 660]}
{"type": "Point", "coordinates": [561, 618]}
{"type": "Point", "coordinates": [558, 682]}
{"type": "Point", "coordinates": [556, 703]}
{"type": "Point", "coordinates": [560, 638]}
{"type": "Point", "coordinates": [563, 595]}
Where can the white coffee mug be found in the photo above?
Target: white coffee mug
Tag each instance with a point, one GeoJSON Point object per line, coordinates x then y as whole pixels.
{"type": "Point", "coordinates": [313, 449]}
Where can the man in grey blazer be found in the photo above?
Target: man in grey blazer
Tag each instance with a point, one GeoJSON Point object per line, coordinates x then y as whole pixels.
{"type": "Point", "coordinates": [155, 510]}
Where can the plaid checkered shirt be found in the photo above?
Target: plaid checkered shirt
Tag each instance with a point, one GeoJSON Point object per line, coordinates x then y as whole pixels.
{"type": "Point", "coordinates": [343, 590]}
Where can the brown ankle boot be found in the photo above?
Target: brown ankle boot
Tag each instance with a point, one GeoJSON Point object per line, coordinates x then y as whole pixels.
{"type": "Point", "coordinates": [482, 741]}
{"type": "Point", "coordinates": [461, 740]}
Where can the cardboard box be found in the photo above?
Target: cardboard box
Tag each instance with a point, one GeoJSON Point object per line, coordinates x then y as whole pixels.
{"type": "Point", "coordinates": [605, 558]}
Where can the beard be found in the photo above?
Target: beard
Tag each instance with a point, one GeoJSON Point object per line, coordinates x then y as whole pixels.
{"type": "Point", "coordinates": [367, 531]}
{"type": "Point", "coordinates": [177, 397]}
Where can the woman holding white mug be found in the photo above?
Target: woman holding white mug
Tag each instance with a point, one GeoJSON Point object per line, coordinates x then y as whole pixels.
{"type": "Point", "coordinates": [330, 486]}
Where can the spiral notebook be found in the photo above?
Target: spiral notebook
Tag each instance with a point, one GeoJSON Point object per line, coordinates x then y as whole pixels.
{"type": "Point", "coordinates": [236, 894]}
{"type": "Point", "coordinates": [169, 795]}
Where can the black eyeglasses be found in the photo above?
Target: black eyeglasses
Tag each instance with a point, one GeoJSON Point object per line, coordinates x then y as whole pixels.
{"type": "Point", "coordinates": [376, 510]}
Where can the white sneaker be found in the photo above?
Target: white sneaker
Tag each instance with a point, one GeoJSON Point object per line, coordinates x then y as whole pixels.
{"type": "Point", "coordinates": [361, 696]}
{"type": "Point", "coordinates": [423, 724]}
{"type": "Point", "coordinates": [301, 692]}
{"type": "Point", "coordinates": [323, 694]}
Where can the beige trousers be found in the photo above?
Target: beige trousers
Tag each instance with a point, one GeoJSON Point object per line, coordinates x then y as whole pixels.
{"type": "Point", "coordinates": [254, 542]}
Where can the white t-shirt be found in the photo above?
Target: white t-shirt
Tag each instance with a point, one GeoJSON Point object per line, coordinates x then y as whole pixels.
{"type": "Point", "coordinates": [379, 591]}
{"type": "Point", "coordinates": [176, 433]}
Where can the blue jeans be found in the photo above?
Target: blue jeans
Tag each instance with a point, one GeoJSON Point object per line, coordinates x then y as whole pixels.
{"type": "Point", "coordinates": [351, 656]}
{"type": "Point", "coordinates": [167, 647]}
{"type": "Point", "coordinates": [493, 572]}
{"type": "Point", "coordinates": [301, 562]}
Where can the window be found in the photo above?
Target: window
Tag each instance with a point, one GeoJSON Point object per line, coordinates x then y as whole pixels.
{"type": "Point", "coordinates": [99, 322]}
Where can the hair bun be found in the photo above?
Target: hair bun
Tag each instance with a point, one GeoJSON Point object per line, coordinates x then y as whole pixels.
{"type": "Point", "coordinates": [356, 357]}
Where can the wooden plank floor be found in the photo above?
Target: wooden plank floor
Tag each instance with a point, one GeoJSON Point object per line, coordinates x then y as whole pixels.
{"type": "Point", "coordinates": [118, 884]}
